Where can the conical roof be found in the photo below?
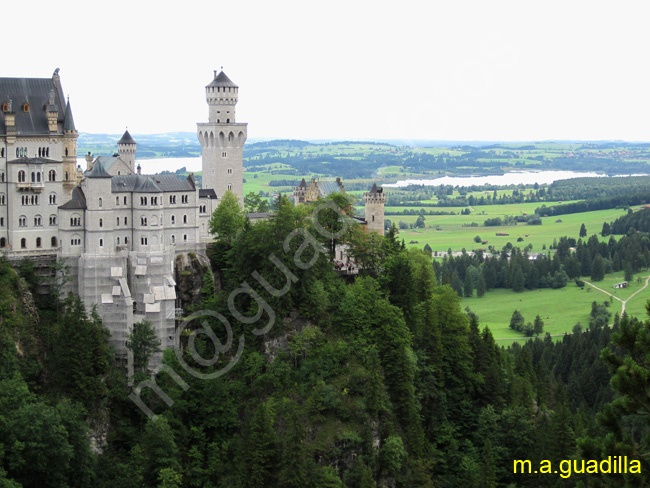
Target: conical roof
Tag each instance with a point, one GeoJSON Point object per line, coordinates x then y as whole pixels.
{"type": "Point", "coordinates": [374, 189]}
{"type": "Point", "coordinates": [221, 80]}
{"type": "Point", "coordinates": [303, 184]}
{"type": "Point", "coordinates": [98, 171]}
{"type": "Point", "coordinates": [68, 121]}
{"type": "Point", "coordinates": [126, 139]}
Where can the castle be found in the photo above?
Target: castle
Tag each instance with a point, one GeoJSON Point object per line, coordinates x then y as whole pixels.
{"type": "Point", "coordinates": [117, 231]}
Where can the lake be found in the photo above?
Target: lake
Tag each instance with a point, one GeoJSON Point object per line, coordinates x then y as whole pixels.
{"type": "Point", "coordinates": [513, 178]}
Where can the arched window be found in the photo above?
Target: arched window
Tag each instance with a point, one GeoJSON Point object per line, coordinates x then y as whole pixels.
{"type": "Point", "coordinates": [23, 243]}
{"type": "Point", "coordinates": [185, 219]}
{"type": "Point", "coordinates": [185, 237]}
{"type": "Point", "coordinates": [118, 241]}
{"type": "Point", "coordinates": [173, 219]}
{"type": "Point", "coordinates": [37, 221]}
{"type": "Point", "coordinates": [3, 200]}
{"type": "Point", "coordinates": [21, 176]}
{"type": "Point", "coordinates": [101, 222]}
{"type": "Point", "coordinates": [25, 107]}
{"type": "Point", "coordinates": [100, 202]}
{"type": "Point", "coordinates": [117, 200]}
{"type": "Point", "coordinates": [118, 221]}
{"type": "Point", "coordinates": [33, 177]}
{"type": "Point", "coordinates": [38, 242]}
{"type": "Point", "coordinates": [101, 243]}
{"type": "Point", "coordinates": [52, 175]}
{"type": "Point", "coordinates": [126, 221]}
{"type": "Point", "coordinates": [52, 219]}
{"type": "Point", "coordinates": [67, 176]}
{"type": "Point", "coordinates": [52, 198]}
{"type": "Point", "coordinates": [173, 239]}
{"type": "Point", "coordinates": [38, 177]}
{"type": "Point", "coordinates": [54, 241]}
{"type": "Point", "coordinates": [2, 177]}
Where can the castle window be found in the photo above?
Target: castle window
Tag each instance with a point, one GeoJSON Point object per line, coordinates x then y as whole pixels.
{"type": "Point", "coordinates": [172, 198]}
{"type": "Point", "coordinates": [117, 200]}
{"type": "Point", "coordinates": [185, 219]}
{"type": "Point", "coordinates": [373, 218]}
{"type": "Point", "coordinates": [2, 152]}
{"type": "Point", "coordinates": [25, 107]}
{"type": "Point", "coordinates": [33, 177]}
{"type": "Point", "coordinates": [173, 219]}
{"type": "Point", "coordinates": [5, 108]}
{"type": "Point", "coordinates": [118, 221]}
{"type": "Point", "coordinates": [202, 209]}
{"type": "Point", "coordinates": [143, 221]}
{"type": "Point", "coordinates": [2, 221]}
{"type": "Point", "coordinates": [67, 176]}
{"type": "Point", "coordinates": [218, 121]}
{"type": "Point", "coordinates": [124, 200]}
{"type": "Point", "coordinates": [100, 202]}
{"type": "Point", "coordinates": [54, 242]}
{"type": "Point", "coordinates": [37, 221]}
{"type": "Point", "coordinates": [126, 221]}
{"type": "Point", "coordinates": [185, 237]}
{"type": "Point", "coordinates": [143, 241]}
{"type": "Point", "coordinates": [3, 200]}
{"type": "Point", "coordinates": [229, 171]}
{"type": "Point", "coordinates": [2, 176]}
{"type": "Point", "coordinates": [52, 198]}
{"type": "Point", "coordinates": [47, 152]}
{"type": "Point", "coordinates": [38, 242]}
{"type": "Point", "coordinates": [22, 221]}
{"type": "Point", "coordinates": [38, 177]}
{"type": "Point", "coordinates": [228, 122]}
{"type": "Point", "coordinates": [229, 186]}
{"type": "Point", "coordinates": [101, 243]}
{"type": "Point", "coordinates": [126, 240]}
{"type": "Point", "coordinates": [52, 219]}
{"type": "Point", "coordinates": [3, 242]}
{"type": "Point", "coordinates": [173, 239]}
{"type": "Point", "coordinates": [101, 222]}
{"type": "Point", "coordinates": [23, 243]}
{"type": "Point", "coordinates": [118, 241]}
{"type": "Point", "coordinates": [52, 175]}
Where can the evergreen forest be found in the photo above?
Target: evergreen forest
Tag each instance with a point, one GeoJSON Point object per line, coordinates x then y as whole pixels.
{"type": "Point", "coordinates": [325, 379]}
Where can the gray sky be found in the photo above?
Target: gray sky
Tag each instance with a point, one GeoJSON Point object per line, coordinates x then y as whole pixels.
{"type": "Point", "coordinates": [456, 70]}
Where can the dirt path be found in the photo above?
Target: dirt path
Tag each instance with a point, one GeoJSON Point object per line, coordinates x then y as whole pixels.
{"type": "Point", "coordinates": [623, 302]}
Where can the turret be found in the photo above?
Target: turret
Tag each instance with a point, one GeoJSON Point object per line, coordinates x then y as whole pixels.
{"type": "Point", "coordinates": [126, 148]}
{"type": "Point", "coordinates": [300, 192]}
{"type": "Point", "coordinates": [222, 139]}
{"type": "Point", "coordinates": [221, 96]}
{"type": "Point", "coordinates": [70, 135]}
{"type": "Point", "coordinates": [375, 200]}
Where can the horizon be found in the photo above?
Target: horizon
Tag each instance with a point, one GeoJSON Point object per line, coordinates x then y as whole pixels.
{"type": "Point", "coordinates": [504, 71]}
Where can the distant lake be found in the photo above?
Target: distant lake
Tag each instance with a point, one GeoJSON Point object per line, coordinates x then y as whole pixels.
{"type": "Point", "coordinates": [153, 166]}
{"type": "Point", "coordinates": [513, 178]}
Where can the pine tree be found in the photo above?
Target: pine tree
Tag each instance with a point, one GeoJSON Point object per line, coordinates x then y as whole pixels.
{"type": "Point", "coordinates": [583, 231]}
{"type": "Point", "coordinates": [262, 449]}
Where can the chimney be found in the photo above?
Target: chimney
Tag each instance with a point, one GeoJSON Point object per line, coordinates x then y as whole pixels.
{"type": "Point", "coordinates": [89, 161]}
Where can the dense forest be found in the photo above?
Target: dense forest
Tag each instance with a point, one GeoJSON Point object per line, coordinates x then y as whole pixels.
{"type": "Point", "coordinates": [320, 378]}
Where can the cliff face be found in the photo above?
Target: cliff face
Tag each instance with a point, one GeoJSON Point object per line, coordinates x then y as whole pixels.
{"type": "Point", "coordinates": [189, 270]}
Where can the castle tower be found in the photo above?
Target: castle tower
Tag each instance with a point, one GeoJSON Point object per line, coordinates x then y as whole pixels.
{"type": "Point", "coordinates": [126, 147]}
{"type": "Point", "coordinates": [222, 139]}
{"type": "Point", "coordinates": [375, 200]}
{"type": "Point", "coordinates": [70, 135]}
{"type": "Point", "coordinates": [300, 192]}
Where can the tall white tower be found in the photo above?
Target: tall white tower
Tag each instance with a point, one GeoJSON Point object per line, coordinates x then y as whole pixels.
{"type": "Point", "coordinates": [126, 148]}
{"type": "Point", "coordinates": [222, 139]}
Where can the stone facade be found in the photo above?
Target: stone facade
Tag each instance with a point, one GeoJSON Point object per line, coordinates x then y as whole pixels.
{"type": "Point", "coordinates": [117, 230]}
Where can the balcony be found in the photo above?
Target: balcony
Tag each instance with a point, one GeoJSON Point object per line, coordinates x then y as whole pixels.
{"type": "Point", "coordinates": [36, 186]}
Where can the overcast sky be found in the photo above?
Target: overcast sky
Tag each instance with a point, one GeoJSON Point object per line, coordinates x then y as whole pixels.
{"type": "Point", "coordinates": [463, 70]}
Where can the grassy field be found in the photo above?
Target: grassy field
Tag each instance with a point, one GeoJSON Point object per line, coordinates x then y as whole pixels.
{"type": "Point", "coordinates": [454, 231]}
{"type": "Point", "coordinates": [560, 309]}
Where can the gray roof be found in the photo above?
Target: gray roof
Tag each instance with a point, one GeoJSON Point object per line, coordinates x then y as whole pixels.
{"type": "Point", "coordinates": [78, 201]}
{"type": "Point", "coordinates": [126, 139]}
{"type": "Point", "coordinates": [328, 187]}
{"type": "Point", "coordinates": [150, 183]}
{"type": "Point", "coordinates": [68, 122]}
{"type": "Point", "coordinates": [221, 80]}
{"type": "Point", "coordinates": [303, 184]}
{"type": "Point", "coordinates": [375, 189]}
{"type": "Point", "coordinates": [98, 171]}
{"type": "Point", "coordinates": [106, 161]}
{"type": "Point", "coordinates": [207, 193]}
{"type": "Point", "coordinates": [36, 92]}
